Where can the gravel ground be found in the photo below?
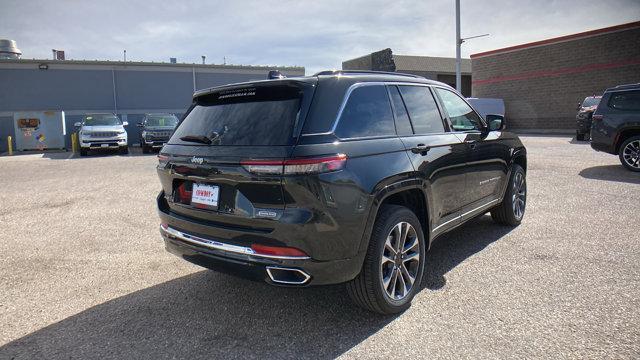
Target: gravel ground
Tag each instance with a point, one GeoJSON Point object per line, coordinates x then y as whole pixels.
{"type": "Point", "coordinates": [84, 275]}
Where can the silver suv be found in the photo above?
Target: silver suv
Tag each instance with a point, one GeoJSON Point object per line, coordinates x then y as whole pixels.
{"type": "Point", "coordinates": [102, 132]}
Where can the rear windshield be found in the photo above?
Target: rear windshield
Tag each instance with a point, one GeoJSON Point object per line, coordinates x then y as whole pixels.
{"type": "Point", "coordinates": [101, 120]}
{"type": "Point", "coordinates": [261, 115]}
{"type": "Point", "coordinates": [162, 120]}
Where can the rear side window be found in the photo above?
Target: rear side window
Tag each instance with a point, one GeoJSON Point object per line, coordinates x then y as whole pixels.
{"type": "Point", "coordinates": [248, 116]}
{"type": "Point", "coordinates": [423, 110]}
{"type": "Point", "coordinates": [625, 101]}
{"type": "Point", "coordinates": [462, 116]}
{"type": "Point", "coordinates": [366, 113]}
{"type": "Point", "coordinates": [403, 124]}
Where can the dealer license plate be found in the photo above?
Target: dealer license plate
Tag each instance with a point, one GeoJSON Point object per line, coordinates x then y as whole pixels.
{"type": "Point", "coordinates": [205, 196]}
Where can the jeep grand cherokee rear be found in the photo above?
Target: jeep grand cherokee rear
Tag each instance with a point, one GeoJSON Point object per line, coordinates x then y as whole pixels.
{"type": "Point", "coordinates": [333, 178]}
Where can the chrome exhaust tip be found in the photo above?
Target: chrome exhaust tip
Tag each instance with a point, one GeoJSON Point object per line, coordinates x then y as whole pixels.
{"type": "Point", "coordinates": [287, 276]}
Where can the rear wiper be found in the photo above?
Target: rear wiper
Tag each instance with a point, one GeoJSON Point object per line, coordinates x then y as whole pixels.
{"type": "Point", "coordinates": [196, 138]}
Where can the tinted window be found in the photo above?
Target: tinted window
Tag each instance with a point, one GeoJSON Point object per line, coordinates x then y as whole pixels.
{"type": "Point", "coordinates": [625, 100]}
{"type": "Point", "coordinates": [423, 110]}
{"type": "Point", "coordinates": [367, 113]}
{"type": "Point", "coordinates": [460, 113]}
{"type": "Point", "coordinates": [161, 120]}
{"type": "Point", "coordinates": [403, 125]}
{"type": "Point", "coordinates": [248, 116]}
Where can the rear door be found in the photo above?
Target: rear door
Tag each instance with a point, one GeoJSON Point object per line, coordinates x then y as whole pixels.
{"type": "Point", "coordinates": [210, 174]}
{"type": "Point", "coordinates": [437, 155]}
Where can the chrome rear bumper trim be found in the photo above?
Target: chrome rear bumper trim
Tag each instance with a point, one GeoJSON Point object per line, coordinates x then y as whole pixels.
{"type": "Point", "coordinates": [216, 245]}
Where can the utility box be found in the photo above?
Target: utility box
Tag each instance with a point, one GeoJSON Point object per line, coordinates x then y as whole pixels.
{"type": "Point", "coordinates": [39, 130]}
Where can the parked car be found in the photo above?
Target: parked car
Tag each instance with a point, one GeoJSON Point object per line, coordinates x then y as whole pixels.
{"type": "Point", "coordinates": [616, 125]}
{"type": "Point", "coordinates": [583, 119]}
{"type": "Point", "coordinates": [341, 177]}
{"type": "Point", "coordinates": [102, 132]}
{"type": "Point", "coordinates": [155, 130]}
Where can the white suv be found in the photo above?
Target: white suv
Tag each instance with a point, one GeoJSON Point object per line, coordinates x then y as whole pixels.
{"type": "Point", "coordinates": [102, 132]}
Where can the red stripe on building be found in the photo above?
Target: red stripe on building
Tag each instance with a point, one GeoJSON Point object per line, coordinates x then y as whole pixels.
{"type": "Point", "coordinates": [560, 39]}
{"type": "Point", "coordinates": [549, 73]}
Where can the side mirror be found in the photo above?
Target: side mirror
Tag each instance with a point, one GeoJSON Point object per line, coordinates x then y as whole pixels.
{"type": "Point", "coordinates": [496, 122]}
{"type": "Point", "coordinates": [78, 124]}
{"type": "Point", "coordinates": [579, 106]}
{"type": "Point", "coordinates": [125, 123]}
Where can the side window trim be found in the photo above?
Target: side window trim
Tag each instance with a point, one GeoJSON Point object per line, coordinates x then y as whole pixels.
{"type": "Point", "coordinates": [443, 114]}
{"type": "Point", "coordinates": [450, 125]}
{"type": "Point", "coordinates": [393, 108]}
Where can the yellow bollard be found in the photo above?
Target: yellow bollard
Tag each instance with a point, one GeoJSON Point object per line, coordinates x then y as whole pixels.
{"type": "Point", "coordinates": [10, 145]}
{"type": "Point", "coordinates": [74, 142]}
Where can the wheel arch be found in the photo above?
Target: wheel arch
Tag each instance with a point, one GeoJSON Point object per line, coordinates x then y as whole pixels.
{"type": "Point", "coordinates": [624, 134]}
{"type": "Point", "coordinates": [409, 193]}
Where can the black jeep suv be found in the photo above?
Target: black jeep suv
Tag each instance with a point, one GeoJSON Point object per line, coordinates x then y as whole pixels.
{"type": "Point", "coordinates": [333, 178]}
{"type": "Point", "coordinates": [155, 130]}
{"type": "Point", "coordinates": [616, 125]}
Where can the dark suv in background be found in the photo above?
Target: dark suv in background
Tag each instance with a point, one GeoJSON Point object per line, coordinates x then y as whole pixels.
{"type": "Point", "coordinates": [155, 130]}
{"type": "Point", "coordinates": [333, 178]}
{"type": "Point", "coordinates": [583, 118]}
{"type": "Point", "coordinates": [616, 125]}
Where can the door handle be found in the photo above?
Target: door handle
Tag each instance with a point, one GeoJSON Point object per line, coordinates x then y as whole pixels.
{"type": "Point", "coordinates": [420, 148]}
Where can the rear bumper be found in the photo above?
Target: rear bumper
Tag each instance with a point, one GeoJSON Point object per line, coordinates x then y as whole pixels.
{"type": "Point", "coordinates": [240, 260]}
{"type": "Point", "coordinates": [601, 142]}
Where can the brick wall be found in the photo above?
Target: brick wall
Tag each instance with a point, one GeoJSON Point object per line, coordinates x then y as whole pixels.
{"type": "Point", "coordinates": [541, 85]}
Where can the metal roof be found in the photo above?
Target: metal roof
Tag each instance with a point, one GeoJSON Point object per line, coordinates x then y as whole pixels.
{"type": "Point", "coordinates": [148, 63]}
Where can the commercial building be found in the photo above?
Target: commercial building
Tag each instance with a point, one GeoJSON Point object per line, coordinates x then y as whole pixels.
{"type": "Point", "coordinates": [442, 69]}
{"type": "Point", "coordinates": [543, 81]}
{"type": "Point", "coordinates": [128, 89]}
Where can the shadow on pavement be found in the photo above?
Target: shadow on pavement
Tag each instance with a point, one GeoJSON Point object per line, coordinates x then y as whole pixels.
{"type": "Point", "coordinates": [611, 173]}
{"type": "Point", "coordinates": [207, 315]}
{"type": "Point", "coordinates": [453, 248]}
{"type": "Point", "coordinates": [212, 315]}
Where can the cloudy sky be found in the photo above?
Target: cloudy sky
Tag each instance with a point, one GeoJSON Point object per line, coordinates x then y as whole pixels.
{"type": "Point", "coordinates": [315, 34]}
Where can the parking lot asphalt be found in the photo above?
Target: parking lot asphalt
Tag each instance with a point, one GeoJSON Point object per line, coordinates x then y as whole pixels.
{"type": "Point", "coordinates": [84, 275]}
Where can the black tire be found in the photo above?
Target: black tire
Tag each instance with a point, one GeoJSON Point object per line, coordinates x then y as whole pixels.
{"type": "Point", "coordinates": [123, 151]}
{"type": "Point", "coordinates": [506, 213]}
{"type": "Point", "coordinates": [83, 152]}
{"type": "Point", "coordinates": [367, 289]}
{"type": "Point", "coordinates": [629, 154]}
{"type": "Point", "coordinates": [145, 149]}
{"type": "Point", "coordinates": [579, 136]}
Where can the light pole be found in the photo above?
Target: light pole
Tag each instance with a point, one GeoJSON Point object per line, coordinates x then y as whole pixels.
{"type": "Point", "coordinates": [458, 44]}
{"type": "Point", "coordinates": [459, 41]}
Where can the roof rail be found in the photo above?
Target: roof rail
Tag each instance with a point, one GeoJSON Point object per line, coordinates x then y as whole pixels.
{"type": "Point", "coordinates": [624, 87]}
{"type": "Point", "coordinates": [339, 72]}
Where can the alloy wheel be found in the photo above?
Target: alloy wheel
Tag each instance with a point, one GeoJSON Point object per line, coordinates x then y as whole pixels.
{"type": "Point", "coordinates": [519, 195]}
{"type": "Point", "coordinates": [631, 154]}
{"type": "Point", "coordinates": [400, 261]}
